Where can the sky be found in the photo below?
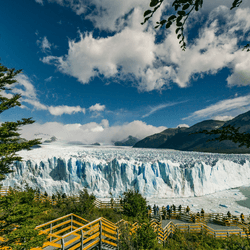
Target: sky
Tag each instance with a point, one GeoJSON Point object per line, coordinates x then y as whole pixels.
{"type": "Point", "coordinates": [93, 73]}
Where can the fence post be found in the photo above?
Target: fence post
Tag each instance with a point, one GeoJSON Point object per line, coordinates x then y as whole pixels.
{"type": "Point", "coordinates": [227, 234]}
{"type": "Point", "coordinates": [215, 235]}
{"type": "Point", "coordinates": [117, 238]}
{"type": "Point", "coordinates": [62, 242]}
{"type": "Point", "coordinates": [100, 243]}
{"type": "Point", "coordinates": [50, 231]}
{"type": "Point", "coordinates": [71, 222]}
{"type": "Point", "coordinates": [81, 240]}
{"type": "Point", "coordinates": [240, 234]}
{"type": "Point", "coordinates": [188, 229]}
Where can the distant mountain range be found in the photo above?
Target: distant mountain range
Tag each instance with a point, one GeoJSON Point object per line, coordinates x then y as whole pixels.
{"type": "Point", "coordinates": [179, 138]}
{"type": "Point", "coordinates": [130, 141]}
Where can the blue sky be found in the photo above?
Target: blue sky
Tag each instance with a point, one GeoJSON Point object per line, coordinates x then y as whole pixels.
{"type": "Point", "coordinates": [92, 72]}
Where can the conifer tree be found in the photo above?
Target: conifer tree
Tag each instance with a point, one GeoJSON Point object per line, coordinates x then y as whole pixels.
{"type": "Point", "coordinates": [18, 214]}
{"type": "Point", "coordinates": [134, 205]}
{"type": "Point", "coordinates": [9, 137]}
{"type": "Point", "coordinates": [19, 217]}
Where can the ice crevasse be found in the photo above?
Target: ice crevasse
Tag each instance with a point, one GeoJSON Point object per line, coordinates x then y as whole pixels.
{"type": "Point", "coordinates": [160, 178]}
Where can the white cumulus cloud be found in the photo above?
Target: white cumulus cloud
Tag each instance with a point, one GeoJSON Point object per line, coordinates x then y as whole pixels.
{"type": "Point", "coordinates": [127, 52]}
{"type": "Point", "coordinates": [91, 132]}
{"type": "Point", "coordinates": [131, 53]}
{"type": "Point", "coordinates": [39, 1]}
{"type": "Point", "coordinates": [64, 109]}
{"type": "Point", "coordinates": [182, 126]}
{"type": "Point", "coordinates": [97, 107]}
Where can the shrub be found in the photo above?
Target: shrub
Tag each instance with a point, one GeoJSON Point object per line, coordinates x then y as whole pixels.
{"type": "Point", "coordinates": [142, 238]}
{"type": "Point", "coordinates": [86, 202]}
{"type": "Point", "coordinates": [134, 205]}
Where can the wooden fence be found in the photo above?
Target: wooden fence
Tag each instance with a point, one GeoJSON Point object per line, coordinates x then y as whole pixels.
{"type": "Point", "coordinates": [217, 218]}
{"type": "Point", "coordinates": [115, 204]}
{"type": "Point", "coordinates": [73, 232]}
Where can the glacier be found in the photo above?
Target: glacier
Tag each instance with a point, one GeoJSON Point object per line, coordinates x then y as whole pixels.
{"type": "Point", "coordinates": [155, 173]}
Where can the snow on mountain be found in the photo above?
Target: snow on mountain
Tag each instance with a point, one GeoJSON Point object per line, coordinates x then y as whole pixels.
{"type": "Point", "coordinates": [154, 172]}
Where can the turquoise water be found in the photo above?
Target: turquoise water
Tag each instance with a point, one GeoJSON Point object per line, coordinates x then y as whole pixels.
{"type": "Point", "coordinates": [245, 191]}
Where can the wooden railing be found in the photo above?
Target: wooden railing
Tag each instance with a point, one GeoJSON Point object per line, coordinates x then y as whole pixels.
{"type": "Point", "coordinates": [73, 232]}
{"type": "Point", "coordinates": [84, 234]}
{"type": "Point", "coordinates": [115, 204]}
{"type": "Point", "coordinates": [4, 190]}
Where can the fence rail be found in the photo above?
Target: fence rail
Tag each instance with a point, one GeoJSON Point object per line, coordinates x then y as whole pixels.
{"type": "Point", "coordinates": [115, 204]}
{"type": "Point", "coordinates": [73, 232]}
{"type": "Point", "coordinates": [98, 232]}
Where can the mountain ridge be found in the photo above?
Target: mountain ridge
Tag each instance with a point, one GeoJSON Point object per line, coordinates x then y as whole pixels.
{"type": "Point", "coordinates": [180, 138]}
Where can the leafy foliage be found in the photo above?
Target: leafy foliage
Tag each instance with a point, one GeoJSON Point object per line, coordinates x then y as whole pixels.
{"type": "Point", "coordinates": [134, 205]}
{"type": "Point", "coordinates": [87, 201]}
{"type": "Point", "coordinates": [183, 5]}
{"type": "Point", "coordinates": [228, 132]}
{"type": "Point", "coordinates": [143, 237]}
{"type": "Point", "coordinates": [19, 215]}
{"type": "Point", "coordinates": [202, 241]}
{"type": "Point", "coordinates": [9, 137]}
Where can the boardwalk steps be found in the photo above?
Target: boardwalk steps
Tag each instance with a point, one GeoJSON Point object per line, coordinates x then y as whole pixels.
{"type": "Point", "coordinates": [74, 232]}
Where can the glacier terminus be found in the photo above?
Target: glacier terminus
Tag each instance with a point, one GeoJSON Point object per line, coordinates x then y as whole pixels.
{"type": "Point", "coordinates": [156, 173]}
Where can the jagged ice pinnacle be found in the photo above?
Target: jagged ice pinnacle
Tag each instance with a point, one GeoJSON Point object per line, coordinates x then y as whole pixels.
{"type": "Point", "coordinates": [154, 172]}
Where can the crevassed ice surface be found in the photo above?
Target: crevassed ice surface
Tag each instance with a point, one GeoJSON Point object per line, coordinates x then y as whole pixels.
{"type": "Point", "coordinates": [157, 173]}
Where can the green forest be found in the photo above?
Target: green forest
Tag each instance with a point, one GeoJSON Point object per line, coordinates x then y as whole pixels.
{"type": "Point", "coordinates": [19, 209]}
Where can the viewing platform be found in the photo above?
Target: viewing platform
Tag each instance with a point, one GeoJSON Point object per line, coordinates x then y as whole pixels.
{"type": "Point", "coordinates": [74, 232]}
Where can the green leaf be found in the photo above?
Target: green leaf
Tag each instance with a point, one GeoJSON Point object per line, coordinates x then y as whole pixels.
{"type": "Point", "coordinates": [153, 3]}
{"type": "Point", "coordinates": [162, 22]}
{"type": "Point", "coordinates": [186, 6]}
{"type": "Point", "coordinates": [176, 7]}
{"type": "Point", "coordinates": [179, 36]}
{"type": "Point", "coordinates": [179, 19]}
{"type": "Point", "coordinates": [171, 17]}
{"type": "Point", "coordinates": [146, 19]}
{"type": "Point", "coordinates": [177, 30]}
{"type": "Point", "coordinates": [147, 12]}
{"type": "Point", "coordinates": [179, 23]}
{"type": "Point", "coordinates": [168, 25]}
{"type": "Point", "coordinates": [181, 13]}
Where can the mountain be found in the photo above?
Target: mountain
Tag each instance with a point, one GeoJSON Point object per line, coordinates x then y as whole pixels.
{"type": "Point", "coordinates": [130, 141]}
{"type": "Point", "coordinates": [96, 144]}
{"type": "Point", "coordinates": [179, 139]}
{"type": "Point", "coordinates": [155, 140]}
{"type": "Point", "coordinates": [52, 139]}
{"type": "Point", "coordinates": [75, 143]}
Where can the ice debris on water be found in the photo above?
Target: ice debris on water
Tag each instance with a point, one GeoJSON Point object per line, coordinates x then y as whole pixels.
{"type": "Point", "coordinates": [223, 205]}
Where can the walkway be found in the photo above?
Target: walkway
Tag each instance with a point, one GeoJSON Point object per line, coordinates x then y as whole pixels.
{"type": "Point", "coordinates": [213, 226]}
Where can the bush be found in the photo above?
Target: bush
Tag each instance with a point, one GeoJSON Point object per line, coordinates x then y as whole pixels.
{"type": "Point", "coordinates": [86, 202]}
{"type": "Point", "coordinates": [142, 239]}
{"type": "Point", "coordinates": [134, 205]}
{"type": "Point", "coordinates": [20, 212]}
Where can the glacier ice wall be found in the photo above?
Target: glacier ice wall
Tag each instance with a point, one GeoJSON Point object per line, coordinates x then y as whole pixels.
{"type": "Point", "coordinates": [155, 173]}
